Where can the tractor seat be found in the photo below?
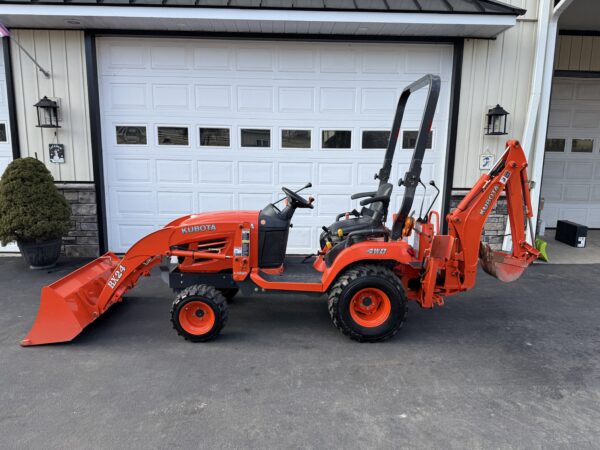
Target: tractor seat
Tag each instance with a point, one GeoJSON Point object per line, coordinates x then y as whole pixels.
{"type": "Point", "coordinates": [371, 217]}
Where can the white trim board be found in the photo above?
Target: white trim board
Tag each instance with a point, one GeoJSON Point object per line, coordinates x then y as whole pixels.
{"type": "Point", "coordinates": [257, 20]}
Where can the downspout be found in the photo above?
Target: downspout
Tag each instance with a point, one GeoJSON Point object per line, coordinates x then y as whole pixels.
{"type": "Point", "coordinates": [539, 104]}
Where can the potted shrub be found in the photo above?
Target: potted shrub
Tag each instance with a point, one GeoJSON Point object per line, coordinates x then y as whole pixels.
{"type": "Point", "coordinates": [33, 212]}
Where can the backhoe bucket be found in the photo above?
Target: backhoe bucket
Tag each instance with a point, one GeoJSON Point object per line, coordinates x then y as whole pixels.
{"type": "Point", "coordinates": [69, 304]}
{"type": "Point", "coordinates": [501, 265]}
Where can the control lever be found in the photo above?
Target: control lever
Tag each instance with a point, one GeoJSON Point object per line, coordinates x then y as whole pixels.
{"type": "Point", "coordinates": [420, 219]}
{"type": "Point", "coordinates": [432, 183]}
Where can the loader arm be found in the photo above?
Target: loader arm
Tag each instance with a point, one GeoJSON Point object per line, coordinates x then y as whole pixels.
{"type": "Point", "coordinates": [466, 222]}
{"type": "Point", "coordinates": [76, 300]}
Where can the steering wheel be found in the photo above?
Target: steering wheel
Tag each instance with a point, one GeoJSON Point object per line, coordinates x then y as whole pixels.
{"type": "Point", "coordinates": [300, 201]}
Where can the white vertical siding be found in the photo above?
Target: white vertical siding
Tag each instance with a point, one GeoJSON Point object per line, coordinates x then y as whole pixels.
{"type": "Point", "coordinates": [494, 71]}
{"type": "Point", "coordinates": [580, 53]}
{"type": "Point", "coordinates": [62, 54]}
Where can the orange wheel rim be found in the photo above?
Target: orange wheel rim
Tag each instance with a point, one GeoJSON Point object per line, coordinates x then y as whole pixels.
{"type": "Point", "coordinates": [197, 318]}
{"type": "Point", "coordinates": [370, 307]}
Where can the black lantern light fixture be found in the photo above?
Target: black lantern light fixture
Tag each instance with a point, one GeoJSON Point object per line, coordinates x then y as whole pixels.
{"type": "Point", "coordinates": [496, 121]}
{"type": "Point", "coordinates": [47, 113]}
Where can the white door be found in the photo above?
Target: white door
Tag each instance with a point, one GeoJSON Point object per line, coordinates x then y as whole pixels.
{"type": "Point", "coordinates": [5, 145]}
{"type": "Point", "coordinates": [571, 176]}
{"type": "Point", "coordinates": [203, 125]}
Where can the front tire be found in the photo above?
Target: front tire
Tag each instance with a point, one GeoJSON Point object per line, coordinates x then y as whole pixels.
{"type": "Point", "coordinates": [199, 313]}
{"type": "Point", "coordinates": [367, 303]}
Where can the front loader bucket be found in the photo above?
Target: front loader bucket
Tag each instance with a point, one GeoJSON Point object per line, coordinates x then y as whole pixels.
{"type": "Point", "coordinates": [503, 266]}
{"type": "Point", "coordinates": [69, 304]}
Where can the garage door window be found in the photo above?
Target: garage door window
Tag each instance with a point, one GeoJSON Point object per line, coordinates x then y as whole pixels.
{"type": "Point", "coordinates": [173, 136]}
{"type": "Point", "coordinates": [582, 145]}
{"type": "Point", "coordinates": [409, 139]}
{"type": "Point", "coordinates": [256, 137]}
{"type": "Point", "coordinates": [3, 135]}
{"type": "Point", "coordinates": [375, 139]}
{"type": "Point", "coordinates": [555, 145]}
{"type": "Point", "coordinates": [214, 137]}
{"type": "Point", "coordinates": [131, 135]}
{"type": "Point", "coordinates": [295, 138]}
{"type": "Point", "coordinates": [336, 139]}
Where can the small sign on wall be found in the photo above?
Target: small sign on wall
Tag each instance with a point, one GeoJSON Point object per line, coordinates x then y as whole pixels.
{"type": "Point", "coordinates": [57, 153]}
{"type": "Point", "coordinates": [486, 162]}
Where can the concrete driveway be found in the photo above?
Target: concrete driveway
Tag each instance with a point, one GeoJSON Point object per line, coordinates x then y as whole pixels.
{"type": "Point", "coordinates": [505, 365]}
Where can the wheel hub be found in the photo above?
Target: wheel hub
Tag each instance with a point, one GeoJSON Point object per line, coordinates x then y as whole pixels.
{"type": "Point", "coordinates": [370, 307]}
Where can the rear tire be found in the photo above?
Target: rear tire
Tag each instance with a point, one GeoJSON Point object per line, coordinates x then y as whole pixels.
{"type": "Point", "coordinates": [367, 303]}
{"type": "Point", "coordinates": [199, 313]}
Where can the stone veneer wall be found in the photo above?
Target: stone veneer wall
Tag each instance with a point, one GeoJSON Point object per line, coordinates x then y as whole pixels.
{"type": "Point", "coordinates": [493, 232]}
{"type": "Point", "coordinates": [82, 238]}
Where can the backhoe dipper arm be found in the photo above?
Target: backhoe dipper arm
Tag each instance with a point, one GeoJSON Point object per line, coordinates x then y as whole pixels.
{"type": "Point", "coordinates": [466, 222]}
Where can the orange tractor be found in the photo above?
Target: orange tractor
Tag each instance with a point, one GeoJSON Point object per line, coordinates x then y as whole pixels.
{"type": "Point", "coordinates": [367, 270]}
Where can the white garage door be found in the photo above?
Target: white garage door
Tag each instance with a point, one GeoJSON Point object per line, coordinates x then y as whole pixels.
{"type": "Point", "coordinates": [571, 177]}
{"type": "Point", "coordinates": [5, 145]}
{"type": "Point", "coordinates": [202, 125]}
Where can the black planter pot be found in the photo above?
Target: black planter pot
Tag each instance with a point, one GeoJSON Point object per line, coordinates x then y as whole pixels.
{"type": "Point", "coordinates": [42, 255]}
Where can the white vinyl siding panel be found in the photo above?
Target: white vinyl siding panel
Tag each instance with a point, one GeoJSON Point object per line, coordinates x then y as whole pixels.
{"type": "Point", "coordinates": [264, 86]}
{"type": "Point", "coordinates": [62, 54]}
{"type": "Point", "coordinates": [494, 72]}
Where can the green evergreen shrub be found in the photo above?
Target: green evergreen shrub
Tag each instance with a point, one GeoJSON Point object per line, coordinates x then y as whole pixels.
{"type": "Point", "coordinates": [31, 208]}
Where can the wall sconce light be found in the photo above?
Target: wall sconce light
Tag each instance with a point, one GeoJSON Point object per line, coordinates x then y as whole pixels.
{"type": "Point", "coordinates": [47, 113]}
{"type": "Point", "coordinates": [496, 121]}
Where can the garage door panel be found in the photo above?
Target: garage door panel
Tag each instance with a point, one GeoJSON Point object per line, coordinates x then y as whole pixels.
{"type": "Point", "coordinates": [169, 57]}
{"type": "Point", "coordinates": [257, 85]}
{"type": "Point", "coordinates": [135, 202]}
{"type": "Point", "coordinates": [578, 215]}
{"type": "Point", "coordinates": [583, 170]}
{"type": "Point", "coordinates": [366, 172]}
{"type": "Point", "coordinates": [577, 192]}
{"type": "Point", "coordinates": [255, 99]}
{"type": "Point", "coordinates": [594, 218]}
{"type": "Point", "coordinates": [131, 170]}
{"type": "Point", "coordinates": [213, 97]}
{"type": "Point", "coordinates": [174, 171]}
{"type": "Point", "coordinates": [175, 204]}
{"type": "Point", "coordinates": [215, 201]}
{"type": "Point", "coordinates": [331, 205]}
{"type": "Point", "coordinates": [338, 61]}
{"type": "Point", "coordinates": [336, 174]}
{"type": "Point", "coordinates": [213, 58]}
{"type": "Point", "coordinates": [552, 192]}
{"type": "Point", "coordinates": [337, 100]}
{"type": "Point", "coordinates": [256, 172]}
{"type": "Point", "coordinates": [554, 169]}
{"type": "Point", "coordinates": [218, 172]}
{"type": "Point", "coordinates": [295, 173]}
{"type": "Point", "coordinates": [298, 61]}
{"type": "Point", "coordinates": [254, 59]}
{"type": "Point", "coordinates": [171, 96]}
{"type": "Point", "coordinates": [254, 200]}
{"type": "Point", "coordinates": [379, 100]}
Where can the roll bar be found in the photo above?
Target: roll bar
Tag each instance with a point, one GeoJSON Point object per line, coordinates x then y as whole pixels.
{"type": "Point", "coordinates": [412, 176]}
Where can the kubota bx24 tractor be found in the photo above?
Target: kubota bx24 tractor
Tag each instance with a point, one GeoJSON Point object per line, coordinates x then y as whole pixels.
{"type": "Point", "coordinates": [367, 271]}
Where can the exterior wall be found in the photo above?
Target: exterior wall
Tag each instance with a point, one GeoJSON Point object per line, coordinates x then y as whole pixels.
{"type": "Point", "coordinates": [82, 239]}
{"type": "Point", "coordinates": [579, 53]}
{"type": "Point", "coordinates": [495, 226]}
{"type": "Point", "coordinates": [494, 71]}
{"type": "Point", "coordinates": [62, 54]}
